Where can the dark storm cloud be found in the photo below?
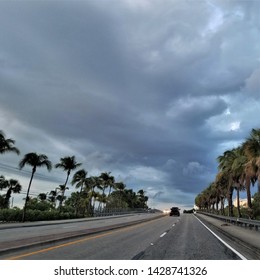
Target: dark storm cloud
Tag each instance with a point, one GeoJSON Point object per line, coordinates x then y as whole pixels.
{"type": "Point", "coordinates": [150, 91]}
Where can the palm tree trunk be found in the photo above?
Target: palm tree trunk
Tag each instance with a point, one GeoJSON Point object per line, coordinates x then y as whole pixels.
{"type": "Point", "coordinates": [63, 193]}
{"type": "Point", "coordinates": [90, 208]}
{"type": "Point", "coordinates": [258, 184]}
{"type": "Point", "coordinates": [222, 203]}
{"type": "Point", "coordinates": [248, 192]}
{"type": "Point", "coordinates": [68, 174]}
{"type": "Point", "coordinates": [238, 203]}
{"type": "Point", "coordinates": [7, 198]}
{"type": "Point", "coordinates": [230, 202]}
{"type": "Point", "coordinates": [27, 195]}
{"type": "Point", "coordinates": [78, 200]}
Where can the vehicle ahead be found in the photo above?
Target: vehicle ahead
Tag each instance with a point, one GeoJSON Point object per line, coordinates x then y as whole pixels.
{"type": "Point", "coordinates": [175, 211]}
{"type": "Point", "coordinates": [166, 211]}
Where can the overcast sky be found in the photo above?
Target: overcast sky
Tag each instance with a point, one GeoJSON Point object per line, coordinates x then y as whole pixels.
{"type": "Point", "coordinates": [149, 90]}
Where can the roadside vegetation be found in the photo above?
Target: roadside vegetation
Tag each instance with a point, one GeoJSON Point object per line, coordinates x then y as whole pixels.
{"type": "Point", "coordinates": [93, 195]}
{"type": "Point", "coordinates": [238, 171]}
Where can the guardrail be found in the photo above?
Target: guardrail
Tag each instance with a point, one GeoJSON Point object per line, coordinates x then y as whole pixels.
{"type": "Point", "coordinates": [119, 211]}
{"type": "Point", "coordinates": [234, 220]}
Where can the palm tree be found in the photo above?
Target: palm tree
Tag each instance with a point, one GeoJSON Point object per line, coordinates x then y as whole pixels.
{"type": "Point", "coordinates": [80, 179]}
{"type": "Point", "coordinates": [34, 160]}
{"type": "Point", "coordinates": [42, 196]}
{"type": "Point", "coordinates": [6, 145]}
{"type": "Point", "coordinates": [225, 166]}
{"type": "Point", "coordinates": [61, 196]}
{"type": "Point", "coordinates": [105, 180]}
{"type": "Point", "coordinates": [120, 187]}
{"type": "Point", "coordinates": [102, 198]}
{"type": "Point", "coordinates": [52, 197]}
{"type": "Point", "coordinates": [238, 173]}
{"type": "Point", "coordinates": [251, 148]}
{"type": "Point", "coordinates": [108, 181]}
{"type": "Point", "coordinates": [142, 199]}
{"type": "Point", "coordinates": [12, 186]}
{"type": "Point", "coordinates": [233, 164]}
{"type": "Point", "coordinates": [221, 183]}
{"type": "Point", "coordinates": [92, 183]}
{"type": "Point", "coordinates": [104, 177]}
{"type": "Point", "coordinates": [67, 164]}
{"type": "Point", "coordinates": [131, 198]}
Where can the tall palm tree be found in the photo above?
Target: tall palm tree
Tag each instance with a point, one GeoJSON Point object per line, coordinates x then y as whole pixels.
{"type": "Point", "coordinates": [12, 185]}
{"type": "Point", "coordinates": [67, 164]}
{"type": "Point", "coordinates": [221, 183]}
{"type": "Point", "coordinates": [225, 166]}
{"type": "Point", "coordinates": [92, 183]}
{"type": "Point", "coordinates": [131, 198]}
{"type": "Point", "coordinates": [238, 174]}
{"type": "Point", "coordinates": [251, 148]}
{"type": "Point", "coordinates": [142, 199]}
{"type": "Point", "coordinates": [108, 181]}
{"type": "Point", "coordinates": [120, 187]}
{"type": "Point", "coordinates": [104, 177]}
{"type": "Point", "coordinates": [102, 198]}
{"type": "Point", "coordinates": [61, 194]}
{"type": "Point", "coordinates": [34, 160]}
{"type": "Point", "coordinates": [6, 145]}
{"type": "Point", "coordinates": [80, 179]}
{"type": "Point", "coordinates": [233, 163]}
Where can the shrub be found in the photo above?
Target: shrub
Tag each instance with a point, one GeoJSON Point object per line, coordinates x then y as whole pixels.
{"type": "Point", "coordinates": [10, 215]}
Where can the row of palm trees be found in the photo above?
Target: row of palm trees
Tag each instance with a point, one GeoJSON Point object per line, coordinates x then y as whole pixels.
{"type": "Point", "coordinates": [87, 186]}
{"type": "Point", "coordinates": [238, 170]}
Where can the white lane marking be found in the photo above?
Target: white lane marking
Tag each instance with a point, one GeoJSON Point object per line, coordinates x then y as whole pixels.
{"type": "Point", "coordinates": [221, 240]}
{"type": "Point", "coordinates": [162, 235]}
{"type": "Point", "coordinates": [173, 225]}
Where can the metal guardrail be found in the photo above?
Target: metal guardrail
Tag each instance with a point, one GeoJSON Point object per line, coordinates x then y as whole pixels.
{"type": "Point", "coordinates": [246, 222]}
{"type": "Point", "coordinates": [234, 220]}
{"type": "Point", "coordinates": [119, 211]}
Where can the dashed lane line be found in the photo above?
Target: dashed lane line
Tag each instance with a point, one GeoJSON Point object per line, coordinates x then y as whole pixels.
{"type": "Point", "coordinates": [162, 235]}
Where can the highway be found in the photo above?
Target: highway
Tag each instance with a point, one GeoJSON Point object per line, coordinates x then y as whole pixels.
{"type": "Point", "coordinates": [155, 238]}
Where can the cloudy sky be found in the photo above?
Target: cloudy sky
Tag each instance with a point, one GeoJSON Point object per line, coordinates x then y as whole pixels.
{"type": "Point", "coordinates": [149, 90]}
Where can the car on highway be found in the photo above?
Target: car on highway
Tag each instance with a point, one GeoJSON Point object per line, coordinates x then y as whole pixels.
{"type": "Point", "coordinates": [175, 211]}
{"type": "Point", "coordinates": [166, 211]}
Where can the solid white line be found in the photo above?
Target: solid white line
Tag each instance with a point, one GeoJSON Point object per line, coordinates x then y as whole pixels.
{"type": "Point", "coordinates": [162, 235]}
{"type": "Point", "coordinates": [221, 240]}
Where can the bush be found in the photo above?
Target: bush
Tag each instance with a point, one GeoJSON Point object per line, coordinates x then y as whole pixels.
{"type": "Point", "coordinates": [15, 215]}
{"type": "Point", "coordinates": [10, 215]}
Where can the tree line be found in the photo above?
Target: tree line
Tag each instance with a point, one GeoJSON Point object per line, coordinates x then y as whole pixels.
{"type": "Point", "coordinates": [92, 193]}
{"type": "Point", "coordinates": [238, 170]}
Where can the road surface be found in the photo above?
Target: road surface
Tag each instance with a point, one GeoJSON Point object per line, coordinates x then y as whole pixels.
{"type": "Point", "coordinates": [164, 238]}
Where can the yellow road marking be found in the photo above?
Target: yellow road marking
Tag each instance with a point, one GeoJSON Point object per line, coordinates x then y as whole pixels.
{"type": "Point", "coordinates": [77, 241]}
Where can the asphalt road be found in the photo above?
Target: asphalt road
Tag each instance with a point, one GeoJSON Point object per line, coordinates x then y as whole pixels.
{"type": "Point", "coordinates": [172, 238]}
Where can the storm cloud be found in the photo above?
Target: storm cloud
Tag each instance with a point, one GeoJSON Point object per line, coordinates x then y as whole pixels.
{"type": "Point", "coordinates": [151, 91]}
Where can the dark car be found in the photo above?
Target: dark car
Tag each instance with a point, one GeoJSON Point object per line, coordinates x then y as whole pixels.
{"type": "Point", "coordinates": [175, 211]}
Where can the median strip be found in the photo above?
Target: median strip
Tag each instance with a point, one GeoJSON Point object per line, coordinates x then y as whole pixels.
{"type": "Point", "coordinates": [80, 240]}
{"type": "Point", "coordinates": [8, 246]}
